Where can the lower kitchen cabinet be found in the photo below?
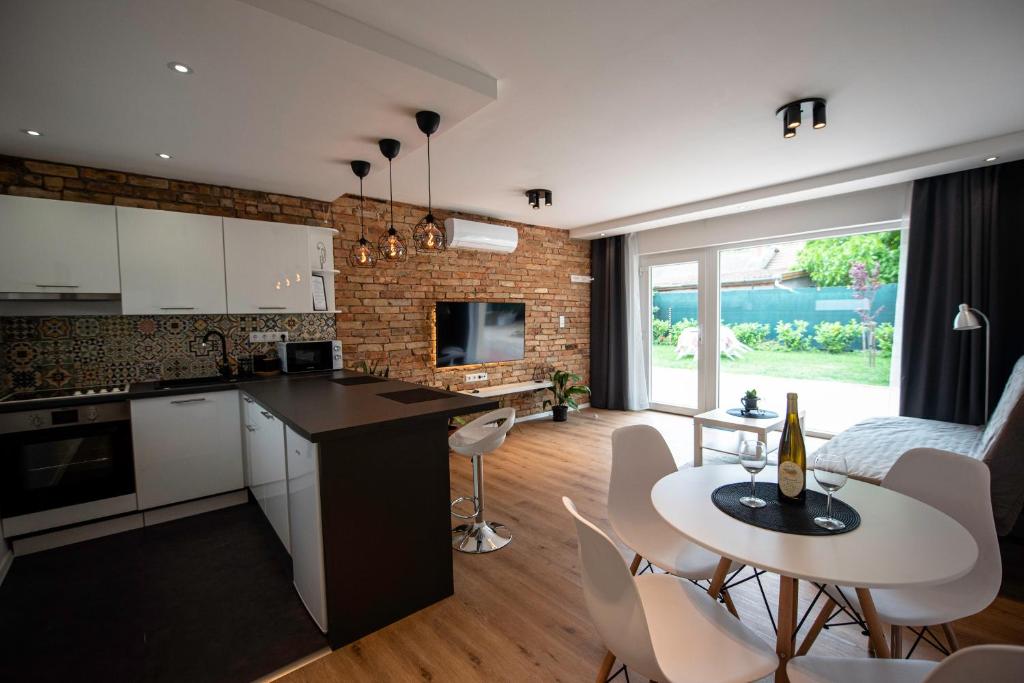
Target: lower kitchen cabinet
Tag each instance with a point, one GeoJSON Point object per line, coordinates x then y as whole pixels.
{"type": "Point", "coordinates": [267, 470]}
{"type": "Point", "coordinates": [306, 527]}
{"type": "Point", "coordinates": [186, 447]}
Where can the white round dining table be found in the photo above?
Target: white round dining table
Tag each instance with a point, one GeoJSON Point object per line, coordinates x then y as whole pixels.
{"type": "Point", "coordinates": [901, 542]}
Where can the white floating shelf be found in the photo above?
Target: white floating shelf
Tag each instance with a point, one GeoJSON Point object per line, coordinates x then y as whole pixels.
{"type": "Point", "coordinates": [506, 389]}
{"type": "Point", "coordinates": [318, 271]}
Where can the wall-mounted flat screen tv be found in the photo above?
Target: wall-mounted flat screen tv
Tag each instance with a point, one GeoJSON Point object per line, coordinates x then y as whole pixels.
{"type": "Point", "coordinates": [471, 332]}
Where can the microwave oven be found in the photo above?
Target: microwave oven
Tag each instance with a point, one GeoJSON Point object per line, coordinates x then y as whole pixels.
{"type": "Point", "coordinates": [309, 356]}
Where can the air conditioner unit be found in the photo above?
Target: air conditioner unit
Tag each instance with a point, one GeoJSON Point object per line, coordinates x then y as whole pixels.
{"type": "Point", "coordinates": [463, 234]}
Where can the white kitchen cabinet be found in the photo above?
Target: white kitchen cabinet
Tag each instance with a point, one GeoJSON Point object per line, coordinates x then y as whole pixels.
{"type": "Point", "coordinates": [186, 447]}
{"type": "Point", "coordinates": [267, 267]}
{"type": "Point", "coordinates": [268, 473]}
{"type": "Point", "coordinates": [57, 247]}
{"type": "Point", "coordinates": [306, 528]}
{"type": "Point", "coordinates": [171, 262]}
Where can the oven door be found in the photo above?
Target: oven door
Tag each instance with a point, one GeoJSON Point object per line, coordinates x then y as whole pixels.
{"type": "Point", "coordinates": [63, 466]}
{"type": "Point", "coordinates": [309, 356]}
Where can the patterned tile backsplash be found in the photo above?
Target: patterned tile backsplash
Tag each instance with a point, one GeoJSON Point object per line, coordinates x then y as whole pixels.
{"type": "Point", "coordinates": [48, 353]}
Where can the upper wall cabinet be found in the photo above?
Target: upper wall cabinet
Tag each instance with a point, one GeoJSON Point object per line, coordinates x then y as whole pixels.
{"type": "Point", "coordinates": [170, 262]}
{"type": "Point", "coordinates": [56, 247]}
{"type": "Point", "coordinates": [267, 267]}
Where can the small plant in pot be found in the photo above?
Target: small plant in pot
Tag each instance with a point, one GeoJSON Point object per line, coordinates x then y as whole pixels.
{"type": "Point", "coordinates": [749, 401]}
{"type": "Point", "coordinates": [564, 394]}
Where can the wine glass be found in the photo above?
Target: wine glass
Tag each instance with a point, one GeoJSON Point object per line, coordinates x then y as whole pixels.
{"type": "Point", "coordinates": [830, 471]}
{"type": "Point", "coordinates": [753, 457]}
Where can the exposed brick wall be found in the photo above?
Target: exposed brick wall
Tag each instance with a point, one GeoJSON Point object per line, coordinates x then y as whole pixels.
{"type": "Point", "coordinates": [385, 313]}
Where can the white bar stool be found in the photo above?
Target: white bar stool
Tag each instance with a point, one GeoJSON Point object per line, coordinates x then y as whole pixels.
{"type": "Point", "coordinates": [482, 435]}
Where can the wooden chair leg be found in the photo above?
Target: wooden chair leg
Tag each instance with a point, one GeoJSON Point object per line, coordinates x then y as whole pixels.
{"type": "Point", "coordinates": [896, 641]}
{"type": "Point", "coordinates": [819, 623]}
{"type": "Point", "coordinates": [635, 565]}
{"type": "Point", "coordinates": [729, 604]}
{"type": "Point", "coordinates": [606, 667]}
{"type": "Point", "coordinates": [954, 642]}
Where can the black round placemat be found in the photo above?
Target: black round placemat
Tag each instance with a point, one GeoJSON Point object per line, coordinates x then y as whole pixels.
{"type": "Point", "coordinates": [754, 414]}
{"type": "Point", "coordinates": [776, 516]}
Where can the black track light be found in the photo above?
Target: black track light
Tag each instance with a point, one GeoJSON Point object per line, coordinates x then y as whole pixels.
{"type": "Point", "coordinates": [535, 197]}
{"type": "Point", "coordinates": [819, 114]}
{"type": "Point", "coordinates": [792, 114]}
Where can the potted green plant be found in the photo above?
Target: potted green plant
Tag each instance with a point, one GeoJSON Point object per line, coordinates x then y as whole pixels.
{"type": "Point", "coordinates": [564, 394]}
{"type": "Point", "coordinates": [749, 401]}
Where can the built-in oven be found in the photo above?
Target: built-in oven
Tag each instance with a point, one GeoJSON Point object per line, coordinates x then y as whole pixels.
{"type": "Point", "coordinates": [61, 466]}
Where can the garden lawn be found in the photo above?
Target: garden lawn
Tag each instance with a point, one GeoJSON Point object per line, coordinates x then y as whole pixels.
{"type": "Point", "coordinates": [839, 367]}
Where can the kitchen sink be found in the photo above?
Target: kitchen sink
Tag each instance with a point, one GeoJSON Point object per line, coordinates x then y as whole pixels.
{"type": "Point", "coordinates": [193, 382]}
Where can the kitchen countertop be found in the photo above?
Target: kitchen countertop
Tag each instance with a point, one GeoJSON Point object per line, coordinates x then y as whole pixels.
{"type": "Point", "coordinates": [311, 404]}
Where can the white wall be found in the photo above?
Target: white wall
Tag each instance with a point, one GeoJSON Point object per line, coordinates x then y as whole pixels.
{"type": "Point", "coordinates": [868, 207]}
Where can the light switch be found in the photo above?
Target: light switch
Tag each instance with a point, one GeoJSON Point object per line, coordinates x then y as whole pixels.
{"type": "Point", "coordinates": [561, 321]}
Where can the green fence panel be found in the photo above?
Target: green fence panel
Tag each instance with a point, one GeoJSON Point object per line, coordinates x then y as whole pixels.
{"type": "Point", "coordinates": [813, 304]}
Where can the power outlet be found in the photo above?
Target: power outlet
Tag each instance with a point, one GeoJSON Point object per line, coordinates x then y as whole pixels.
{"type": "Point", "coordinates": [267, 337]}
{"type": "Point", "coordinates": [476, 377]}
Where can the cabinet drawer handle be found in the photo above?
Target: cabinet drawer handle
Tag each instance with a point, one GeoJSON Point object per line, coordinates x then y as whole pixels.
{"type": "Point", "coordinates": [187, 400]}
{"type": "Point", "coordinates": [266, 415]}
{"type": "Point", "coordinates": [177, 308]}
{"type": "Point", "coordinates": [272, 308]}
{"type": "Point", "coordinates": [250, 428]}
{"type": "Point", "coordinates": [61, 286]}
{"type": "Point", "coordinates": [247, 399]}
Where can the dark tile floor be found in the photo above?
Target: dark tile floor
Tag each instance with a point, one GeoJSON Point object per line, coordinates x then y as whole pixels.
{"type": "Point", "coordinates": [207, 598]}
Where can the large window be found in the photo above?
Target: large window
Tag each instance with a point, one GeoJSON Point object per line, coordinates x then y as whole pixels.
{"type": "Point", "coordinates": [813, 316]}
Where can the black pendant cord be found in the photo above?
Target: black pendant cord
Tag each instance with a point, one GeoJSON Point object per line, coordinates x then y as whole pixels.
{"type": "Point", "coordinates": [362, 231]}
{"type": "Point", "coordinates": [430, 204]}
{"type": "Point", "coordinates": [391, 191]}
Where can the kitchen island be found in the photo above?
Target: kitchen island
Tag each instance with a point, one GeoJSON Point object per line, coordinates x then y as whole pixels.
{"type": "Point", "coordinates": [380, 452]}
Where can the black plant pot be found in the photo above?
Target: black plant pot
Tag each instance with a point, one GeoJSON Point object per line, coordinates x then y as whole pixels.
{"type": "Point", "coordinates": [559, 413]}
{"type": "Point", "coordinates": [749, 404]}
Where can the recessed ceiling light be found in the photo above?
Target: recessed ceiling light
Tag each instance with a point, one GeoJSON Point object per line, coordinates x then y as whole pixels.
{"type": "Point", "coordinates": [180, 68]}
{"type": "Point", "coordinates": [33, 133]}
{"type": "Point", "coordinates": [162, 155]}
{"type": "Point", "coordinates": [991, 158]}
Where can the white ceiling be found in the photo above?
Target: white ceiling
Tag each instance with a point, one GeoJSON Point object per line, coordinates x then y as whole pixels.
{"type": "Point", "coordinates": [619, 108]}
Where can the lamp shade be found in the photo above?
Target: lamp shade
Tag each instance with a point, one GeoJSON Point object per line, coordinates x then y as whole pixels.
{"type": "Point", "coordinates": [966, 319]}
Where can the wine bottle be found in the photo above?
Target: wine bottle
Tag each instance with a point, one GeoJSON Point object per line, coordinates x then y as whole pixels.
{"type": "Point", "coordinates": [792, 457]}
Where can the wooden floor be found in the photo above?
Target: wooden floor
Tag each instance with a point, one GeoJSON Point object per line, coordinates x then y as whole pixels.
{"type": "Point", "coordinates": [518, 614]}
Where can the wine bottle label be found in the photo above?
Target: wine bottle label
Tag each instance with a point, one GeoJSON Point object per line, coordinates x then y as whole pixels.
{"type": "Point", "coordinates": [791, 479]}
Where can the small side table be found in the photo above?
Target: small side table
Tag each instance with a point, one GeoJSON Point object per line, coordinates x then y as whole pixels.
{"type": "Point", "coordinates": [721, 419]}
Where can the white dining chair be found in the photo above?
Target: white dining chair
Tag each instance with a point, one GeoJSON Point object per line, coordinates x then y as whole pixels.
{"type": "Point", "coordinates": [662, 626]}
{"type": "Point", "coordinates": [979, 664]}
{"type": "Point", "coordinates": [959, 486]}
{"type": "Point", "coordinates": [640, 458]}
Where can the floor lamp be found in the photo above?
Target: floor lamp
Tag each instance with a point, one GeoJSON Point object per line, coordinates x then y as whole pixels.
{"type": "Point", "coordinates": [967, 319]}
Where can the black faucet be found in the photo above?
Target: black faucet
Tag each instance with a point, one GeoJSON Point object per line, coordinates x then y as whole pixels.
{"type": "Point", "coordinates": [225, 366]}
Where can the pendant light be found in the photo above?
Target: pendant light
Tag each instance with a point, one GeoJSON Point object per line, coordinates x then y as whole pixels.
{"type": "Point", "coordinates": [429, 234]}
{"type": "Point", "coordinates": [391, 246]}
{"type": "Point", "coordinates": [362, 254]}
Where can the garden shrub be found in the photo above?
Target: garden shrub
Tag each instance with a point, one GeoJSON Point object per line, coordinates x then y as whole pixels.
{"type": "Point", "coordinates": [792, 335]}
{"type": "Point", "coordinates": [751, 334]}
{"type": "Point", "coordinates": [883, 336]}
{"type": "Point", "coordinates": [659, 330]}
{"type": "Point", "coordinates": [837, 337]}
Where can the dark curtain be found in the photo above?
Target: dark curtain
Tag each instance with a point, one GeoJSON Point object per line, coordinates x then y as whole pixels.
{"type": "Point", "coordinates": [608, 359]}
{"type": "Point", "coordinates": [966, 246]}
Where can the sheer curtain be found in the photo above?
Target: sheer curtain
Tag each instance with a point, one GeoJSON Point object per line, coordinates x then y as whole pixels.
{"type": "Point", "coordinates": [636, 369]}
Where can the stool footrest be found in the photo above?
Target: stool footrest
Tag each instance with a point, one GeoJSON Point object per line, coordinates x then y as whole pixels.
{"type": "Point", "coordinates": [463, 499]}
